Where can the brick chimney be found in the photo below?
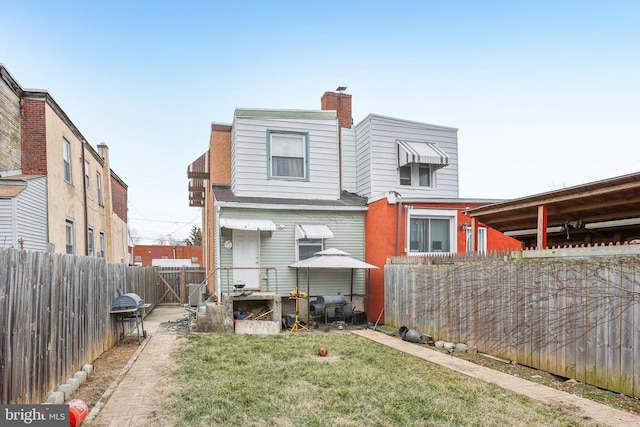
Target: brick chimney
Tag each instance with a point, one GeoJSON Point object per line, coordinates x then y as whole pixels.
{"type": "Point", "coordinates": [340, 102]}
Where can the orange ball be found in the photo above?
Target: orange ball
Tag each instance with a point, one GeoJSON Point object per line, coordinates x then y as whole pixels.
{"type": "Point", "coordinates": [322, 351]}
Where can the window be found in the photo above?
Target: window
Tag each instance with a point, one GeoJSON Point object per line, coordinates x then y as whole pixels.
{"type": "Point", "coordinates": [288, 153]}
{"type": "Point", "coordinates": [99, 187]}
{"type": "Point", "coordinates": [482, 240]}
{"type": "Point", "coordinates": [70, 236]}
{"type": "Point", "coordinates": [90, 244]}
{"type": "Point", "coordinates": [416, 174]}
{"type": "Point", "coordinates": [67, 160]}
{"type": "Point", "coordinates": [431, 231]}
{"type": "Point", "coordinates": [86, 174]}
{"type": "Point", "coordinates": [308, 247]}
{"type": "Point", "coordinates": [469, 242]}
{"type": "Point", "coordinates": [102, 245]}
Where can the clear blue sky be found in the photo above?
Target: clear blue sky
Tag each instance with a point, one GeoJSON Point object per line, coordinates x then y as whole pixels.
{"type": "Point", "coordinates": [545, 94]}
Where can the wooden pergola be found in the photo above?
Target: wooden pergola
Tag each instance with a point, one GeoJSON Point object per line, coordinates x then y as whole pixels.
{"type": "Point", "coordinates": [600, 212]}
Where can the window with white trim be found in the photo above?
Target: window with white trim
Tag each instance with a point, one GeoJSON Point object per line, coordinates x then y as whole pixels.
{"type": "Point", "coordinates": [416, 175]}
{"type": "Point", "coordinates": [288, 154]}
{"type": "Point", "coordinates": [482, 240]}
{"type": "Point", "coordinates": [70, 236]}
{"type": "Point", "coordinates": [86, 174]}
{"type": "Point", "coordinates": [431, 231]}
{"type": "Point", "coordinates": [103, 245]}
{"type": "Point", "coordinates": [66, 155]}
{"type": "Point", "coordinates": [90, 243]}
{"type": "Point", "coordinates": [99, 187]}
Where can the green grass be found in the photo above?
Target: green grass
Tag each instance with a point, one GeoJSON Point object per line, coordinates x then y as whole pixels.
{"type": "Point", "coordinates": [243, 380]}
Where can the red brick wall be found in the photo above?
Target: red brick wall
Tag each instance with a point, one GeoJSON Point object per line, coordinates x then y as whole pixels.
{"type": "Point", "coordinates": [119, 199]}
{"type": "Point", "coordinates": [149, 252]}
{"type": "Point", "coordinates": [341, 102]}
{"type": "Point", "coordinates": [34, 138]}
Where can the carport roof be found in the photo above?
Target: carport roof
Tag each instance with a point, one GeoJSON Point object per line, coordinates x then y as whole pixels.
{"type": "Point", "coordinates": [609, 203]}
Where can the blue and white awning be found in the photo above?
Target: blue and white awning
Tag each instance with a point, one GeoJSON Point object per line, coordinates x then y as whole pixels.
{"type": "Point", "coordinates": [427, 153]}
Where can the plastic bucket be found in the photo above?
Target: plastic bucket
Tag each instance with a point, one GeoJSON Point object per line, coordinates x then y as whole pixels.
{"type": "Point", "coordinates": [78, 411]}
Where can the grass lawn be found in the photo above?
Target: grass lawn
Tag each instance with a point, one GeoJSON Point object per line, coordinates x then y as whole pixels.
{"type": "Point", "coordinates": [243, 380]}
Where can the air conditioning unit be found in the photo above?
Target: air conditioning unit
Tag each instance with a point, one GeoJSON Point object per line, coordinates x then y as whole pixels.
{"type": "Point", "coordinates": [196, 294]}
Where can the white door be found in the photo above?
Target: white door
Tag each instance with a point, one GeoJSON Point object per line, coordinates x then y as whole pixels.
{"type": "Point", "coordinates": [245, 258]}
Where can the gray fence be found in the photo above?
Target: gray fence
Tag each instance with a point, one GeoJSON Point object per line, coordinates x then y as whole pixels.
{"type": "Point", "coordinates": [577, 318]}
{"type": "Point", "coordinates": [54, 317]}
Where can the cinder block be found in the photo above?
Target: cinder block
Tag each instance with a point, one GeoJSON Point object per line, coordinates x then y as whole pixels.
{"type": "Point", "coordinates": [67, 389]}
{"type": "Point", "coordinates": [56, 397]}
{"type": "Point", "coordinates": [74, 383]}
{"type": "Point", "coordinates": [81, 376]}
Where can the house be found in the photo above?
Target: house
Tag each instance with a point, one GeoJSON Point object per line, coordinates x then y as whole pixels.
{"type": "Point", "coordinates": [596, 213]}
{"type": "Point", "coordinates": [276, 186]}
{"type": "Point", "coordinates": [57, 192]}
{"type": "Point", "coordinates": [144, 255]}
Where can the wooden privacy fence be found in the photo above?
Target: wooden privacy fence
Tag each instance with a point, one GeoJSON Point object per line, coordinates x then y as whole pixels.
{"type": "Point", "coordinates": [54, 317]}
{"type": "Point", "coordinates": [577, 318]}
{"type": "Point", "coordinates": [173, 283]}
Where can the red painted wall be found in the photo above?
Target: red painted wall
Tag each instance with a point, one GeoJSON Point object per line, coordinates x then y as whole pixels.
{"type": "Point", "coordinates": [382, 235]}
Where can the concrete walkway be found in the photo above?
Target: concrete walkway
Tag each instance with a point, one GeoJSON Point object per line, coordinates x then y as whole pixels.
{"type": "Point", "coordinates": [582, 407]}
{"type": "Point", "coordinates": [129, 401]}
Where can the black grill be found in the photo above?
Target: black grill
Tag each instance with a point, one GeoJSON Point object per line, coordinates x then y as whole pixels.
{"type": "Point", "coordinates": [128, 308]}
{"type": "Point", "coordinates": [129, 301]}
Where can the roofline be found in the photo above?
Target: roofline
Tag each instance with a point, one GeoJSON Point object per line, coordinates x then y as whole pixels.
{"type": "Point", "coordinates": [286, 114]}
{"type": "Point", "coordinates": [300, 207]}
{"type": "Point", "coordinates": [412, 122]}
{"type": "Point", "coordinates": [603, 186]}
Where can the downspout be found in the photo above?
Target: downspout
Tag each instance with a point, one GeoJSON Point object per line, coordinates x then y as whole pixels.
{"type": "Point", "coordinates": [84, 194]}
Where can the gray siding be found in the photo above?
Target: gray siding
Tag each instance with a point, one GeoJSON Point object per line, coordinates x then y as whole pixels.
{"type": "Point", "coordinates": [250, 164]}
{"type": "Point", "coordinates": [363, 158]}
{"type": "Point", "coordinates": [349, 164]}
{"type": "Point", "coordinates": [278, 249]}
{"type": "Point", "coordinates": [381, 157]}
{"type": "Point", "coordinates": [25, 217]}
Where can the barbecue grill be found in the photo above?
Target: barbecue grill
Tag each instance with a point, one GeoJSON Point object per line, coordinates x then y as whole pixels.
{"type": "Point", "coordinates": [128, 308]}
{"type": "Point", "coordinates": [331, 307]}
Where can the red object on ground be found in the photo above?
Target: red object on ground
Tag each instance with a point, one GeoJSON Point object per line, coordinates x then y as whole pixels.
{"type": "Point", "coordinates": [78, 411]}
{"type": "Point", "coordinates": [322, 351]}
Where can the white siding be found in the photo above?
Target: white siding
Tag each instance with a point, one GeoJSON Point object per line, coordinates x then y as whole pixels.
{"type": "Point", "coordinates": [278, 249]}
{"type": "Point", "coordinates": [377, 157]}
{"type": "Point", "coordinates": [249, 163]}
{"type": "Point", "coordinates": [8, 236]}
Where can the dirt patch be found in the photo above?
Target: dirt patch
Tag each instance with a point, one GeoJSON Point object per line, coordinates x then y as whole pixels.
{"type": "Point", "coordinates": [106, 369]}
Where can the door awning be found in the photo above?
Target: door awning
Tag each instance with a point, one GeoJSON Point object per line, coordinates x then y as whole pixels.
{"type": "Point", "coordinates": [313, 232]}
{"type": "Point", "coordinates": [421, 152]}
{"type": "Point", "coordinates": [247, 224]}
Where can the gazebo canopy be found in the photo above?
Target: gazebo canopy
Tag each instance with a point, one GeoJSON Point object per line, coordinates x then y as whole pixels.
{"type": "Point", "coordinates": [331, 258]}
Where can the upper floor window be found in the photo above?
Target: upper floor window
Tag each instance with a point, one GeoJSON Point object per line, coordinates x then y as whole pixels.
{"type": "Point", "coordinates": [415, 174]}
{"type": "Point", "coordinates": [431, 231]}
{"type": "Point", "coordinates": [99, 187]}
{"type": "Point", "coordinates": [67, 160]}
{"type": "Point", "coordinates": [70, 235]}
{"type": "Point", "coordinates": [288, 154]}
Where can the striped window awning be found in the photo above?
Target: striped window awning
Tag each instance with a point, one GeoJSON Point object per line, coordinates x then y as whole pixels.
{"type": "Point", "coordinates": [424, 152]}
{"type": "Point", "coordinates": [313, 231]}
{"type": "Point", "coordinates": [247, 224]}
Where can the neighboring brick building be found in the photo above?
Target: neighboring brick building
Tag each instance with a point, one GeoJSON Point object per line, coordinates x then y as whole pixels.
{"type": "Point", "coordinates": [84, 203]}
{"type": "Point", "coordinates": [145, 254]}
